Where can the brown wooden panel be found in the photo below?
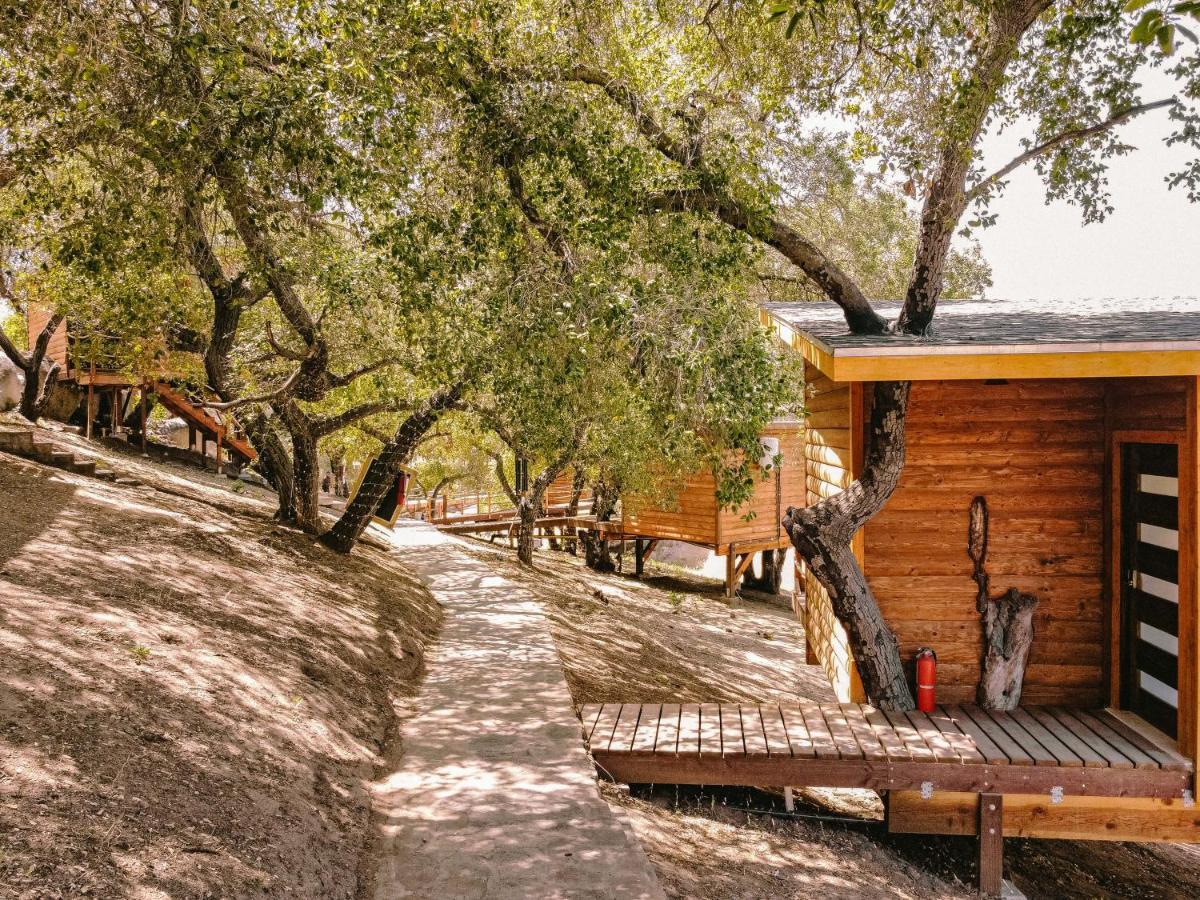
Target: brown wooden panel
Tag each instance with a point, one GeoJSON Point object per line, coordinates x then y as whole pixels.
{"type": "Point", "coordinates": [733, 742]}
{"type": "Point", "coordinates": [818, 730]}
{"type": "Point", "coordinates": [932, 735]}
{"type": "Point", "coordinates": [605, 724]}
{"type": "Point", "coordinates": [710, 729]}
{"type": "Point", "coordinates": [646, 737]}
{"type": "Point", "coordinates": [753, 732]}
{"type": "Point", "coordinates": [1113, 757]}
{"type": "Point", "coordinates": [799, 739]}
{"type": "Point", "coordinates": [863, 732]}
{"type": "Point", "coordinates": [775, 731]}
{"type": "Point", "coordinates": [982, 739]}
{"type": "Point", "coordinates": [689, 728]}
{"type": "Point", "coordinates": [959, 740]}
{"type": "Point", "coordinates": [668, 729]}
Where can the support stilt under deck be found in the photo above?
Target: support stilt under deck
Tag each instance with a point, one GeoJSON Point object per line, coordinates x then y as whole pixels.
{"type": "Point", "coordinates": [991, 844]}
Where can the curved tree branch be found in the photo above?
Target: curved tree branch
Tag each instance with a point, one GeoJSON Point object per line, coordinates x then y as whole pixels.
{"type": "Point", "coordinates": [1070, 136]}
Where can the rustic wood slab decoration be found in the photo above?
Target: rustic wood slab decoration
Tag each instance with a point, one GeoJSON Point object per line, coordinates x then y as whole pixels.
{"type": "Point", "coordinates": [1007, 623]}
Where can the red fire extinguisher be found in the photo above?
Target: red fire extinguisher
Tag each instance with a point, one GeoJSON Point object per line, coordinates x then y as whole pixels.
{"type": "Point", "coordinates": [926, 679]}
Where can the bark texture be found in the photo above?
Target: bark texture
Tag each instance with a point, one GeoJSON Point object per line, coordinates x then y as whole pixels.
{"type": "Point", "coordinates": [382, 472]}
{"type": "Point", "coordinates": [597, 554]}
{"type": "Point", "coordinates": [822, 535]}
{"type": "Point", "coordinates": [1007, 622]}
{"type": "Point", "coordinates": [38, 386]}
{"type": "Point", "coordinates": [771, 577]}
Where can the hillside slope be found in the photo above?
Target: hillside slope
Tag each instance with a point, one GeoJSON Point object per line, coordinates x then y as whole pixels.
{"type": "Point", "coordinates": [193, 701]}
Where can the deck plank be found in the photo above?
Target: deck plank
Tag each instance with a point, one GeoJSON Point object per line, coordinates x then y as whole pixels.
{"type": "Point", "coordinates": [933, 737]}
{"type": "Point", "coordinates": [775, 731]}
{"type": "Point", "coordinates": [818, 730]}
{"type": "Point", "coordinates": [1138, 757]}
{"type": "Point", "coordinates": [753, 732]}
{"type": "Point", "coordinates": [1113, 757]}
{"type": "Point", "coordinates": [799, 739]}
{"type": "Point", "coordinates": [959, 740]}
{"type": "Point", "coordinates": [991, 751]}
{"type": "Point", "coordinates": [1166, 757]}
{"type": "Point", "coordinates": [605, 723]}
{"type": "Point", "coordinates": [627, 723]}
{"type": "Point", "coordinates": [733, 740]}
{"type": "Point", "coordinates": [1061, 752]}
{"type": "Point", "coordinates": [1010, 748]}
{"type": "Point", "coordinates": [1027, 742]}
{"type": "Point", "coordinates": [689, 728]}
{"type": "Point", "coordinates": [896, 749]}
{"type": "Point", "coordinates": [1081, 748]}
{"type": "Point", "coordinates": [710, 729]}
{"type": "Point", "coordinates": [588, 714]}
{"type": "Point", "coordinates": [843, 737]}
{"type": "Point", "coordinates": [863, 732]}
{"type": "Point", "coordinates": [645, 738]}
{"type": "Point", "coordinates": [668, 729]}
{"type": "Point", "coordinates": [920, 751]}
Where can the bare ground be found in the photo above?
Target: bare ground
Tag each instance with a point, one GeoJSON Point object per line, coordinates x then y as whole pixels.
{"type": "Point", "coordinates": [672, 638]}
{"type": "Point", "coordinates": [193, 700]}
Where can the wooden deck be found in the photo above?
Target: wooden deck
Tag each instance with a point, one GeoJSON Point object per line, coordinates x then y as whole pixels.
{"type": "Point", "coordinates": [1033, 750]}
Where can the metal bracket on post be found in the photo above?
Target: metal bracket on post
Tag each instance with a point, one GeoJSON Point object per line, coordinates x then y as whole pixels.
{"type": "Point", "coordinates": [926, 790]}
{"type": "Point", "coordinates": [1056, 794]}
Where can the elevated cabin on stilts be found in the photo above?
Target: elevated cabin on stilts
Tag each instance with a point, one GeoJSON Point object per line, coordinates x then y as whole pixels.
{"type": "Point", "coordinates": [696, 517]}
{"type": "Point", "coordinates": [116, 403]}
{"type": "Point", "coordinates": [1070, 432]}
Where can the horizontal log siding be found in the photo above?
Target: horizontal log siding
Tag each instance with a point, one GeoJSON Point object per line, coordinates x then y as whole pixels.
{"type": "Point", "coordinates": [765, 523]}
{"type": "Point", "coordinates": [1036, 451]}
{"type": "Point", "coordinates": [692, 518]}
{"type": "Point", "coordinates": [828, 469]}
{"type": "Point", "coordinates": [35, 321]}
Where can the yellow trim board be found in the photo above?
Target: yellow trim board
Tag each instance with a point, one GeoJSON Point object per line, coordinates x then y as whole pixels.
{"type": "Point", "coordinates": [908, 363]}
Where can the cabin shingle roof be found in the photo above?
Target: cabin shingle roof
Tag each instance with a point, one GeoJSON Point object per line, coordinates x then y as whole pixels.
{"type": "Point", "coordinates": [1094, 324]}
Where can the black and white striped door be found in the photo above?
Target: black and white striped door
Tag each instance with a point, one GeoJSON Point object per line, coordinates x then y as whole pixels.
{"type": "Point", "coordinates": [1150, 579]}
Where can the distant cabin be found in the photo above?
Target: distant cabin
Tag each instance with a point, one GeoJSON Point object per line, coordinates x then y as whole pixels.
{"type": "Point", "coordinates": [696, 517]}
{"type": "Point", "coordinates": [1077, 422]}
{"type": "Point", "coordinates": [113, 401]}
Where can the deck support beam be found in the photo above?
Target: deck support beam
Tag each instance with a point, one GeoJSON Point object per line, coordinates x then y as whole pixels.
{"type": "Point", "coordinates": [991, 844]}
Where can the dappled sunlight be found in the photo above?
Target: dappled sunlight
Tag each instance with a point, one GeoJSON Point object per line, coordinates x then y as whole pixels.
{"type": "Point", "coordinates": [666, 638]}
{"type": "Point", "coordinates": [494, 793]}
{"type": "Point", "coordinates": [207, 696]}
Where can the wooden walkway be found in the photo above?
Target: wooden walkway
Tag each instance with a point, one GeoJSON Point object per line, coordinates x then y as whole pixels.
{"type": "Point", "coordinates": [1033, 750]}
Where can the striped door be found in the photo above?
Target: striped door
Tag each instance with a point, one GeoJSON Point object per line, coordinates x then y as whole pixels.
{"type": "Point", "coordinates": [1150, 579]}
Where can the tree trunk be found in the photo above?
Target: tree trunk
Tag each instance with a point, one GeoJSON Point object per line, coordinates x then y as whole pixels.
{"type": "Point", "coordinates": [1007, 623]}
{"type": "Point", "coordinates": [527, 510]}
{"type": "Point", "coordinates": [822, 533]}
{"type": "Point", "coordinates": [36, 391]}
{"type": "Point", "coordinates": [596, 551]}
{"type": "Point", "coordinates": [381, 474]}
{"type": "Point", "coordinates": [772, 573]}
{"type": "Point", "coordinates": [306, 475]}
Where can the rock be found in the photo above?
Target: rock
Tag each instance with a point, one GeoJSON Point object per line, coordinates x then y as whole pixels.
{"type": "Point", "coordinates": [12, 383]}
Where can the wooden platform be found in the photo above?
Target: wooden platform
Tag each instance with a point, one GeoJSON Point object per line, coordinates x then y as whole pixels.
{"type": "Point", "coordinates": [1035, 750]}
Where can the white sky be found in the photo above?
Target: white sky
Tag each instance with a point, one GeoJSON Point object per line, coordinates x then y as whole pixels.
{"type": "Point", "coordinates": [1149, 246]}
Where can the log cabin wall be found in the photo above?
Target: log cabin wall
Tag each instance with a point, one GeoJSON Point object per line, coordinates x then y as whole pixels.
{"type": "Point", "coordinates": [1036, 451]}
{"type": "Point", "coordinates": [693, 517]}
{"type": "Point", "coordinates": [35, 321]}
{"type": "Point", "coordinates": [829, 462]}
{"type": "Point", "coordinates": [770, 500]}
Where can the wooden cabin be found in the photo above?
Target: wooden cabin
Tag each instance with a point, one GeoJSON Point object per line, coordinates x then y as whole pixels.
{"type": "Point", "coordinates": [697, 518]}
{"type": "Point", "coordinates": [122, 399]}
{"type": "Point", "coordinates": [1077, 423]}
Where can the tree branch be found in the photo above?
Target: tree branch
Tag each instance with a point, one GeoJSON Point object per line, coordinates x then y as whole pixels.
{"type": "Point", "coordinates": [355, 374]}
{"type": "Point", "coordinates": [328, 424]}
{"type": "Point", "coordinates": [801, 252]}
{"type": "Point", "coordinates": [271, 397]}
{"type": "Point", "coordinates": [498, 460]}
{"type": "Point", "coordinates": [1070, 136]}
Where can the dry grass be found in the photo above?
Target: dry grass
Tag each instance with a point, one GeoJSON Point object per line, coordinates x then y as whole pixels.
{"type": "Point", "coordinates": [192, 699]}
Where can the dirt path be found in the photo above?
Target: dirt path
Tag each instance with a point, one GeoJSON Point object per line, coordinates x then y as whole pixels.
{"type": "Point", "coordinates": [672, 638]}
{"type": "Point", "coordinates": [494, 796]}
{"type": "Point", "coordinates": [193, 701]}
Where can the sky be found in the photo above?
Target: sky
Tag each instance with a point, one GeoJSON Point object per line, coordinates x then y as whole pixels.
{"type": "Point", "coordinates": [1150, 245]}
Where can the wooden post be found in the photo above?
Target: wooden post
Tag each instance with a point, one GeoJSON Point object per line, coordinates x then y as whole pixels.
{"type": "Point", "coordinates": [90, 394]}
{"type": "Point", "coordinates": [991, 845]}
{"type": "Point", "coordinates": [639, 556]}
{"type": "Point", "coordinates": [219, 436]}
{"type": "Point", "coordinates": [730, 569]}
{"type": "Point", "coordinates": [142, 415]}
{"type": "Point", "coordinates": [192, 438]}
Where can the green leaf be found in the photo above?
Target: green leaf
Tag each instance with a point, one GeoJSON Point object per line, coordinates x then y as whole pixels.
{"type": "Point", "coordinates": [791, 29]}
{"type": "Point", "coordinates": [1166, 39]}
{"type": "Point", "coordinates": [1135, 5]}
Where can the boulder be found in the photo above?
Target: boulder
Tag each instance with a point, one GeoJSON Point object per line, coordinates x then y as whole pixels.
{"type": "Point", "coordinates": [12, 383]}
